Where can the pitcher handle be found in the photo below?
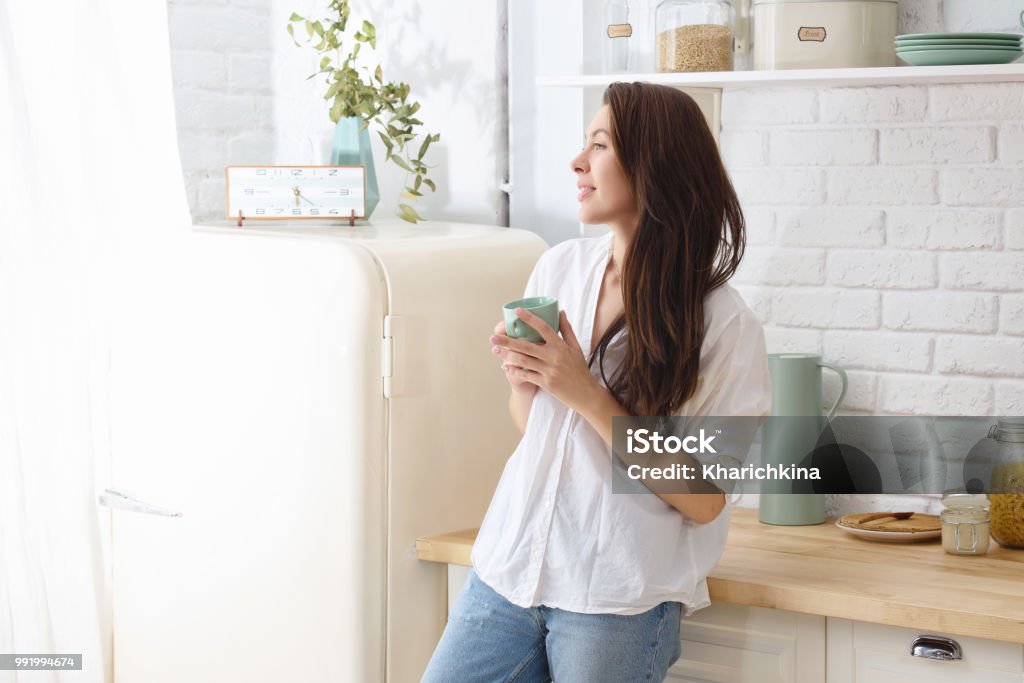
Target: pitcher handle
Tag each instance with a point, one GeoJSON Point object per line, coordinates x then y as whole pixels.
{"type": "Point", "coordinates": [842, 391]}
{"type": "Point", "coordinates": [1022, 19]}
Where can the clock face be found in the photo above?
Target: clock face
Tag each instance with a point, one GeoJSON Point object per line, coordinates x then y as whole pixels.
{"type": "Point", "coordinates": [291, 192]}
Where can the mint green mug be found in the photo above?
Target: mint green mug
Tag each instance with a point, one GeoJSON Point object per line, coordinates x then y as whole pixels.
{"type": "Point", "coordinates": [544, 306]}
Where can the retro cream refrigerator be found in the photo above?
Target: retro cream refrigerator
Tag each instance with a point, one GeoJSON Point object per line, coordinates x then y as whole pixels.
{"type": "Point", "coordinates": [292, 407]}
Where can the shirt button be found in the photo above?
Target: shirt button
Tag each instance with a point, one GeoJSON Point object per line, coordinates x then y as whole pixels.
{"type": "Point", "coordinates": [547, 504]}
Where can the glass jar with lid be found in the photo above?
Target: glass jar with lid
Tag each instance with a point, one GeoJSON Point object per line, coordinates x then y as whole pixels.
{"type": "Point", "coordinates": [616, 40]}
{"type": "Point", "coordinates": [965, 523]}
{"type": "Point", "coordinates": [694, 35]}
{"type": "Point", "coordinates": [1006, 494]}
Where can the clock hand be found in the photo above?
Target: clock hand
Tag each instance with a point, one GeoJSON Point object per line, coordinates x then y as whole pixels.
{"type": "Point", "coordinates": [298, 196]}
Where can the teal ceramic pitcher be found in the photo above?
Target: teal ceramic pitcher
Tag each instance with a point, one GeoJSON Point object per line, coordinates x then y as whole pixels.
{"type": "Point", "coordinates": [796, 391]}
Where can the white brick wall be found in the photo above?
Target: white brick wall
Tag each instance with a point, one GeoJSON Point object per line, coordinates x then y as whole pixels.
{"type": "Point", "coordinates": [1002, 102]}
{"type": "Point", "coordinates": [935, 395]}
{"type": "Point", "coordinates": [831, 227]}
{"type": "Point", "coordinates": [781, 186]}
{"type": "Point", "coordinates": [877, 350]}
{"type": "Point", "coordinates": [1011, 144]}
{"type": "Point", "coordinates": [221, 54]}
{"type": "Point", "coordinates": [241, 96]}
{"type": "Point", "coordinates": [944, 228]}
{"type": "Point", "coordinates": [885, 270]}
{"type": "Point", "coordinates": [879, 186]}
{"type": "Point", "coordinates": [1012, 315]}
{"type": "Point", "coordinates": [826, 308]}
{"type": "Point", "coordinates": [943, 311]}
{"type": "Point", "coordinates": [930, 145]}
{"type": "Point", "coordinates": [873, 105]}
{"type": "Point", "coordinates": [897, 245]}
{"type": "Point", "coordinates": [992, 356]}
{"type": "Point", "coordinates": [1015, 229]}
{"type": "Point", "coordinates": [782, 267]}
{"type": "Point", "coordinates": [810, 147]}
{"type": "Point", "coordinates": [1010, 398]}
{"type": "Point", "coordinates": [999, 272]}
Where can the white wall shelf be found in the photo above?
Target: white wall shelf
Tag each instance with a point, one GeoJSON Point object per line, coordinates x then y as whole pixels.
{"type": "Point", "coordinates": [797, 78]}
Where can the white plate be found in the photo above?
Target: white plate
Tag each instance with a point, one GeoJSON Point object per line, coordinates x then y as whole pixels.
{"type": "Point", "coordinates": [892, 536]}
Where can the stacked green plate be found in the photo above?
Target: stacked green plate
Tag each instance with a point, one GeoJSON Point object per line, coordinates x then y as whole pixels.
{"type": "Point", "coordinates": [944, 49]}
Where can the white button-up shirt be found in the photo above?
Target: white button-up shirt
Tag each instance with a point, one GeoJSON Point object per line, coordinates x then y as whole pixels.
{"type": "Point", "coordinates": [554, 533]}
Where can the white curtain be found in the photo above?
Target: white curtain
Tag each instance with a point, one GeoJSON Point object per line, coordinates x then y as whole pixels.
{"type": "Point", "coordinates": [91, 197]}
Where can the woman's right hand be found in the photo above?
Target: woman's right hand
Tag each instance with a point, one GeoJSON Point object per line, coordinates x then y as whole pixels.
{"type": "Point", "coordinates": [518, 384]}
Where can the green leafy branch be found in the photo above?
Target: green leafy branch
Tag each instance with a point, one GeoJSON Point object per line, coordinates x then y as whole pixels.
{"type": "Point", "coordinates": [385, 104]}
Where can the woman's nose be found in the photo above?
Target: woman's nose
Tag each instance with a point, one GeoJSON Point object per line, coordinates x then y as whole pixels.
{"type": "Point", "coordinates": [577, 163]}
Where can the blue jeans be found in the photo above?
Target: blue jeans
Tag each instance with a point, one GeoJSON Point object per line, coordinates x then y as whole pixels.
{"type": "Point", "coordinates": [488, 639]}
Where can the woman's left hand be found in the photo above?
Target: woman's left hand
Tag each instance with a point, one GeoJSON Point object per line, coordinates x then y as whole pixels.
{"type": "Point", "coordinates": [557, 365]}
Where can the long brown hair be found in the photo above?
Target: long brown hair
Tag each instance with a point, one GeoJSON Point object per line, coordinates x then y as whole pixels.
{"type": "Point", "coordinates": [689, 242]}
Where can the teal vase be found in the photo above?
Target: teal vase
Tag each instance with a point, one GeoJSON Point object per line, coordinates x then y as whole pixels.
{"type": "Point", "coordinates": [351, 147]}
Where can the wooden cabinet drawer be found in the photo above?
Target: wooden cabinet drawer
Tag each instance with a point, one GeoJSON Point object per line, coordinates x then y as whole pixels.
{"type": "Point", "coordinates": [728, 643]}
{"type": "Point", "coordinates": [860, 652]}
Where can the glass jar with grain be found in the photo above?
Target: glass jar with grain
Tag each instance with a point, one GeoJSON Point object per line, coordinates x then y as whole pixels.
{"type": "Point", "coordinates": [1006, 496]}
{"type": "Point", "coordinates": [694, 35]}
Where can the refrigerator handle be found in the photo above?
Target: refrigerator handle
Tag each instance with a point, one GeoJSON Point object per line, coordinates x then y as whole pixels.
{"type": "Point", "coordinates": [120, 501]}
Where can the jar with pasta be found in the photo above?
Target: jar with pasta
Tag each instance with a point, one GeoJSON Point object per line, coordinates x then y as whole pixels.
{"type": "Point", "coordinates": [1006, 494]}
{"type": "Point", "coordinates": [694, 35]}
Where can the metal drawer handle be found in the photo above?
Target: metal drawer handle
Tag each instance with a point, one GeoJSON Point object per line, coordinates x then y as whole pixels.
{"type": "Point", "coordinates": [122, 501]}
{"type": "Point", "coordinates": [936, 647]}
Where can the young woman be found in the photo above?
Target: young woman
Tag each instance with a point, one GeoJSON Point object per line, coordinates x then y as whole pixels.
{"type": "Point", "coordinates": [572, 582]}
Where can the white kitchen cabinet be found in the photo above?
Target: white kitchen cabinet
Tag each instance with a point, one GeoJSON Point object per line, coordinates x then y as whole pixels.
{"type": "Point", "coordinates": [727, 643]}
{"type": "Point", "coordinates": [733, 643]}
{"type": "Point", "coordinates": [457, 577]}
{"type": "Point", "coordinates": [859, 652]}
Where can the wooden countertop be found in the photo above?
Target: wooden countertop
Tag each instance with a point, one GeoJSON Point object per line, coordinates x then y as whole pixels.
{"type": "Point", "coordinates": [823, 570]}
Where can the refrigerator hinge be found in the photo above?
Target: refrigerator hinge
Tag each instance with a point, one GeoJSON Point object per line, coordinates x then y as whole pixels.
{"type": "Point", "coordinates": [391, 355]}
{"type": "Point", "coordinates": [387, 355]}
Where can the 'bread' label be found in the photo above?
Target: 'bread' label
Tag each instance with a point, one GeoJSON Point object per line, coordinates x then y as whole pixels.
{"type": "Point", "coordinates": [815, 33]}
{"type": "Point", "coordinates": [620, 30]}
